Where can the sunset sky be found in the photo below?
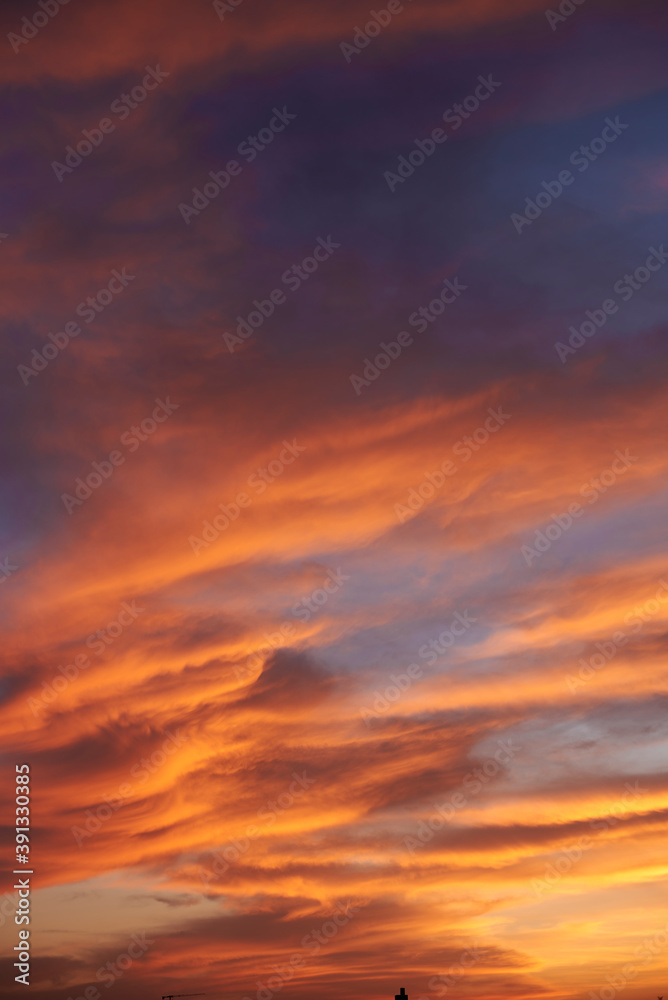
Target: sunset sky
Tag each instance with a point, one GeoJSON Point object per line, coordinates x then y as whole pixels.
{"type": "Point", "coordinates": [336, 676]}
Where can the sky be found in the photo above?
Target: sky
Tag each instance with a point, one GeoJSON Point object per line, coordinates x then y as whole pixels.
{"type": "Point", "coordinates": [333, 555]}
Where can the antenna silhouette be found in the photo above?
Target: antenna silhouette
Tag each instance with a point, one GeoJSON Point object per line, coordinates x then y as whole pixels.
{"type": "Point", "coordinates": [170, 996]}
